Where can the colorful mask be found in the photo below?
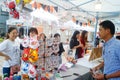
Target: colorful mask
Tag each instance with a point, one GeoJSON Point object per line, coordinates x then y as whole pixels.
{"type": "Point", "coordinates": [25, 54]}
{"type": "Point", "coordinates": [33, 57]}
{"type": "Point", "coordinates": [25, 42]}
{"type": "Point", "coordinates": [32, 71]}
{"type": "Point", "coordinates": [34, 43]}
{"type": "Point", "coordinates": [24, 67]}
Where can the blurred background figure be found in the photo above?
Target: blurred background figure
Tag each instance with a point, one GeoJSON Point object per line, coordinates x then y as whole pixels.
{"type": "Point", "coordinates": [32, 33]}
{"type": "Point", "coordinates": [67, 41]}
{"type": "Point", "coordinates": [61, 48]}
{"type": "Point", "coordinates": [42, 36]}
{"type": "Point", "coordinates": [97, 41]}
{"type": "Point", "coordinates": [75, 45]}
{"type": "Point", "coordinates": [83, 40]}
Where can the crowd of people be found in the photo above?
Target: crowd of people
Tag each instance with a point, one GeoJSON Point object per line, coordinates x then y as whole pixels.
{"type": "Point", "coordinates": [78, 43]}
{"type": "Point", "coordinates": [111, 64]}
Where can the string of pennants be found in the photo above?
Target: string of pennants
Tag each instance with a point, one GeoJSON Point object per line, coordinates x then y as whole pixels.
{"type": "Point", "coordinates": [88, 23]}
{"type": "Point", "coordinates": [48, 8]}
{"type": "Point", "coordinates": [83, 24]}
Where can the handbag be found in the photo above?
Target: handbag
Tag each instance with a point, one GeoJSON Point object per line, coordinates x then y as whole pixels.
{"type": "Point", "coordinates": [96, 53]}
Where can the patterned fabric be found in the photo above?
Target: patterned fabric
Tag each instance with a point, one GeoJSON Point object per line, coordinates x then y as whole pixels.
{"type": "Point", "coordinates": [111, 56]}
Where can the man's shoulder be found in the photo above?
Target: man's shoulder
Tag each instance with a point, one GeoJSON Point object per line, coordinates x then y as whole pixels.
{"type": "Point", "coordinates": [116, 43]}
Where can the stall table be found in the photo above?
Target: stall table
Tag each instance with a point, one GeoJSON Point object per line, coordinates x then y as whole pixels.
{"type": "Point", "coordinates": [81, 70]}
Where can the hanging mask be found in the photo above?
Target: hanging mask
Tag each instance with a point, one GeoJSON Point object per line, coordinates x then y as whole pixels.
{"type": "Point", "coordinates": [12, 5]}
{"type": "Point", "coordinates": [24, 67]}
{"type": "Point", "coordinates": [16, 14]}
{"type": "Point", "coordinates": [25, 54]}
{"type": "Point", "coordinates": [25, 42]}
{"type": "Point", "coordinates": [33, 57]}
{"type": "Point", "coordinates": [49, 42]}
{"type": "Point", "coordinates": [34, 43]}
{"type": "Point", "coordinates": [32, 71]}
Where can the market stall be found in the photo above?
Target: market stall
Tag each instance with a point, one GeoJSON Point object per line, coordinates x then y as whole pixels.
{"type": "Point", "coordinates": [57, 16]}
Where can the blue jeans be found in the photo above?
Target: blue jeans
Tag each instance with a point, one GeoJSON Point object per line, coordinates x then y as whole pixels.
{"type": "Point", "coordinates": [6, 71]}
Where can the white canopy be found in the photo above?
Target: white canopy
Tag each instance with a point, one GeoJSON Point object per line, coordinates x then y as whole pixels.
{"type": "Point", "coordinates": [45, 16]}
{"type": "Point", "coordinates": [86, 28]}
{"type": "Point", "coordinates": [71, 25]}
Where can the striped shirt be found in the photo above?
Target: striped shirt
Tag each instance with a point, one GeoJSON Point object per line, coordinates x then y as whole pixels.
{"type": "Point", "coordinates": [111, 56]}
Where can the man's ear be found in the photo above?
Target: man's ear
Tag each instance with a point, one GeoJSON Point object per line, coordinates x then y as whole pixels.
{"type": "Point", "coordinates": [108, 30]}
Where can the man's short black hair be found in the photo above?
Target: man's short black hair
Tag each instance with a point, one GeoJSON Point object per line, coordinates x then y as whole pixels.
{"type": "Point", "coordinates": [107, 24]}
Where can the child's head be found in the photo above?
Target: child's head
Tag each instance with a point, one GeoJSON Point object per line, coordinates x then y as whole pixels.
{"type": "Point", "coordinates": [32, 32]}
{"type": "Point", "coordinates": [12, 33]}
{"type": "Point", "coordinates": [57, 35]}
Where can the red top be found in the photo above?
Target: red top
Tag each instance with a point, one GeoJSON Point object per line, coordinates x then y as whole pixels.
{"type": "Point", "coordinates": [82, 41]}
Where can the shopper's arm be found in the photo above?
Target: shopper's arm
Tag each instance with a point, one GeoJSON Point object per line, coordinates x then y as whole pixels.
{"type": "Point", "coordinates": [80, 45]}
{"type": "Point", "coordinates": [4, 55]}
{"type": "Point", "coordinates": [113, 75]}
{"type": "Point", "coordinates": [72, 45]}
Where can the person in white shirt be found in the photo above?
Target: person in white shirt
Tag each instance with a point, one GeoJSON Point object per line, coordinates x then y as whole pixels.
{"type": "Point", "coordinates": [10, 50]}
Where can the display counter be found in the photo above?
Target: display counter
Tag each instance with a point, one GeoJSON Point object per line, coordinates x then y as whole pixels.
{"type": "Point", "coordinates": [81, 70]}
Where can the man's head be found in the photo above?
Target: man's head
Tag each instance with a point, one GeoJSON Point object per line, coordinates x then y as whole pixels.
{"type": "Point", "coordinates": [107, 29]}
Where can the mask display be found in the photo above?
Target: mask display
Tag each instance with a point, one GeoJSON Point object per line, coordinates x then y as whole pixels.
{"type": "Point", "coordinates": [32, 71]}
{"type": "Point", "coordinates": [33, 56]}
{"type": "Point", "coordinates": [24, 67]}
{"type": "Point", "coordinates": [25, 54]}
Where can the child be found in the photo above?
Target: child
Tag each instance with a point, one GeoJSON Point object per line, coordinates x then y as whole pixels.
{"type": "Point", "coordinates": [10, 51]}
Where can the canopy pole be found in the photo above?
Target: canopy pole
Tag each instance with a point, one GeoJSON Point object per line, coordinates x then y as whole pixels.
{"type": "Point", "coordinates": [96, 28]}
{"type": "Point", "coordinates": [27, 30]}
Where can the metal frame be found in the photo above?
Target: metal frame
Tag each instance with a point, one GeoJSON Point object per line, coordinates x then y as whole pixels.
{"type": "Point", "coordinates": [82, 4]}
{"type": "Point", "coordinates": [81, 9]}
{"type": "Point", "coordinates": [97, 14]}
{"type": "Point", "coordinates": [57, 4]}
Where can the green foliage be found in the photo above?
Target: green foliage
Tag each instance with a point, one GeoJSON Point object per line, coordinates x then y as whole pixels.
{"type": "Point", "coordinates": [1, 39]}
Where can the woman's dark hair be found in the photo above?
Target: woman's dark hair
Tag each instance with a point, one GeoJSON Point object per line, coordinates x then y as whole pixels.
{"type": "Point", "coordinates": [83, 35]}
{"type": "Point", "coordinates": [107, 24]}
{"type": "Point", "coordinates": [32, 30]}
{"type": "Point", "coordinates": [74, 34]}
{"type": "Point", "coordinates": [56, 35]}
{"type": "Point", "coordinates": [10, 30]}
